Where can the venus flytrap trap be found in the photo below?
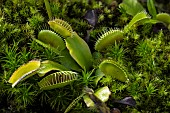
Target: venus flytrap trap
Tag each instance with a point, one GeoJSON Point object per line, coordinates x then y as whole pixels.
{"type": "Point", "coordinates": [165, 18]}
{"type": "Point", "coordinates": [139, 18]}
{"type": "Point", "coordinates": [160, 17]}
{"type": "Point", "coordinates": [24, 71]}
{"type": "Point", "coordinates": [52, 39]}
{"type": "Point", "coordinates": [57, 80]}
{"type": "Point", "coordinates": [107, 38]}
{"type": "Point", "coordinates": [111, 68]}
{"type": "Point", "coordinates": [61, 27]}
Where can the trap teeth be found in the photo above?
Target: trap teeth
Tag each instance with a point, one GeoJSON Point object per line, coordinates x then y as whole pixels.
{"type": "Point", "coordinates": [57, 80]}
{"type": "Point", "coordinates": [61, 27]}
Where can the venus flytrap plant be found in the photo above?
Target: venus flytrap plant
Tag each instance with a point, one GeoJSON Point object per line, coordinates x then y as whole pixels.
{"type": "Point", "coordinates": [160, 17]}
{"type": "Point", "coordinates": [55, 97]}
{"type": "Point", "coordinates": [136, 8]}
{"type": "Point", "coordinates": [139, 18]}
{"type": "Point", "coordinates": [111, 36]}
{"type": "Point", "coordinates": [45, 41]}
{"type": "Point", "coordinates": [71, 47]}
{"type": "Point", "coordinates": [51, 40]}
{"type": "Point", "coordinates": [77, 47]}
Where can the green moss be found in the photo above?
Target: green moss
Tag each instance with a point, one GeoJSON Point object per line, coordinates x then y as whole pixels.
{"type": "Point", "coordinates": [144, 52]}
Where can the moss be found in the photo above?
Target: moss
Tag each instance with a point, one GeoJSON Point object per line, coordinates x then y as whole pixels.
{"type": "Point", "coordinates": [145, 53]}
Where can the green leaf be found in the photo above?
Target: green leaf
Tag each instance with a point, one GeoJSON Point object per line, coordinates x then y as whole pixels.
{"type": "Point", "coordinates": [79, 51]}
{"type": "Point", "coordinates": [151, 8]}
{"type": "Point", "coordinates": [132, 7]}
{"type": "Point", "coordinates": [68, 61]}
{"type": "Point", "coordinates": [24, 72]}
{"type": "Point", "coordinates": [47, 5]}
{"type": "Point", "coordinates": [150, 21]}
